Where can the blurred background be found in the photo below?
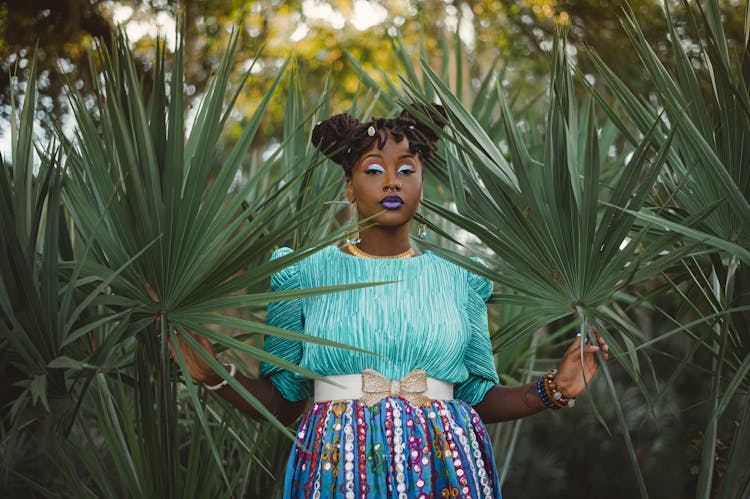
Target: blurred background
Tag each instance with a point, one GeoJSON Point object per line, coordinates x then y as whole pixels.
{"type": "Point", "coordinates": [669, 420]}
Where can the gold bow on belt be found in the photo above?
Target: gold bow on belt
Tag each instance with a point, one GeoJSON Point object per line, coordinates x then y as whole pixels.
{"type": "Point", "coordinates": [376, 387]}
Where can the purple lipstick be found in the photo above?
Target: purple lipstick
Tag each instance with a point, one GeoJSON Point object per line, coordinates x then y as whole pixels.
{"type": "Point", "coordinates": [392, 202]}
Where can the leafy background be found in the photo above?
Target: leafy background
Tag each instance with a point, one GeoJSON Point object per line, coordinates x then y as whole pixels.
{"type": "Point", "coordinates": [596, 158]}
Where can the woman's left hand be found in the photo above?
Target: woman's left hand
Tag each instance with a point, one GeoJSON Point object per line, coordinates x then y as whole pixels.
{"type": "Point", "coordinates": [570, 375]}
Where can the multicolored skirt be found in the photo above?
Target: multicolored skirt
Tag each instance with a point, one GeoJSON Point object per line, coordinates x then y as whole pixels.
{"type": "Point", "coordinates": [391, 450]}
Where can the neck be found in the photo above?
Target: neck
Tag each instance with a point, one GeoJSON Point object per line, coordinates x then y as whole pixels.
{"type": "Point", "coordinates": [385, 241]}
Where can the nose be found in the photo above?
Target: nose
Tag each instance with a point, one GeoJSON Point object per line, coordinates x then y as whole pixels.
{"type": "Point", "coordinates": [392, 187]}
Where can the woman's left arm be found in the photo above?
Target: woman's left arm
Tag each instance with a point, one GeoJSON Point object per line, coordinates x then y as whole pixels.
{"type": "Point", "coordinates": [504, 403]}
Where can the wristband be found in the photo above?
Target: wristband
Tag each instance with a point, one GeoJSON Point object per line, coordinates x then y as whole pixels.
{"type": "Point", "coordinates": [542, 392]}
{"type": "Point", "coordinates": [224, 382]}
{"type": "Point", "coordinates": [550, 395]}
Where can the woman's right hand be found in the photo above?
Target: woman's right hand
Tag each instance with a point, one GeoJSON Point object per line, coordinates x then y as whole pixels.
{"type": "Point", "coordinates": [198, 368]}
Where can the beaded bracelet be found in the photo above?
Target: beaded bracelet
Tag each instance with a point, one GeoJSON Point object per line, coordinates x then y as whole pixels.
{"type": "Point", "coordinates": [219, 386]}
{"type": "Point", "coordinates": [549, 394]}
{"type": "Point", "coordinates": [543, 393]}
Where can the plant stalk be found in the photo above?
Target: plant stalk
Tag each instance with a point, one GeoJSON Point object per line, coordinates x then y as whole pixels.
{"type": "Point", "coordinates": [167, 403]}
{"type": "Point", "coordinates": [708, 452]}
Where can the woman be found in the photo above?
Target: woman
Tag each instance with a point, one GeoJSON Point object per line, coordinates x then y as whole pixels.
{"type": "Point", "coordinates": [407, 419]}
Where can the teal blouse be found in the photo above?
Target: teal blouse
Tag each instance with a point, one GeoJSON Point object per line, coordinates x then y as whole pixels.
{"type": "Point", "coordinates": [433, 318]}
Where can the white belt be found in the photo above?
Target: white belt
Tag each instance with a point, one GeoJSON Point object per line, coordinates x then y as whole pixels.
{"type": "Point", "coordinates": [371, 387]}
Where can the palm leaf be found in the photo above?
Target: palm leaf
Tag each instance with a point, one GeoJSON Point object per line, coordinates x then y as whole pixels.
{"type": "Point", "coordinates": [706, 108]}
{"type": "Point", "coordinates": [558, 245]}
{"type": "Point", "coordinates": [175, 236]}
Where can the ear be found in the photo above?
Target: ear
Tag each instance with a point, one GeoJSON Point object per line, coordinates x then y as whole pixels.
{"type": "Point", "coordinates": [350, 190]}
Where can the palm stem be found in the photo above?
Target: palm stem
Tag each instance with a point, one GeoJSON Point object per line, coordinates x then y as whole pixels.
{"type": "Point", "coordinates": [719, 346]}
{"type": "Point", "coordinates": [167, 402]}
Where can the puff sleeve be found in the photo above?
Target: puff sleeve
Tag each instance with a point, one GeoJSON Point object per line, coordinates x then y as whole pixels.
{"type": "Point", "coordinates": [287, 315]}
{"type": "Point", "coordinates": [478, 357]}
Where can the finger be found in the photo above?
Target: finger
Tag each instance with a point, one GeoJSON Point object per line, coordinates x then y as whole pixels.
{"type": "Point", "coordinates": [590, 354]}
{"type": "Point", "coordinates": [204, 342]}
{"type": "Point", "coordinates": [576, 345]}
{"type": "Point", "coordinates": [598, 336]}
{"type": "Point", "coordinates": [207, 345]}
{"type": "Point", "coordinates": [592, 349]}
{"type": "Point", "coordinates": [603, 345]}
{"type": "Point", "coordinates": [587, 344]}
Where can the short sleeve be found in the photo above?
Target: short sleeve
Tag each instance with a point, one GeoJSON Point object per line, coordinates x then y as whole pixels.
{"type": "Point", "coordinates": [478, 357]}
{"type": "Point", "coordinates": [287, 315]}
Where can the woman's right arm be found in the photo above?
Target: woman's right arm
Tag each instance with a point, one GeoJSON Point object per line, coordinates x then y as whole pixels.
{"type": "Point", "coordinates": [285, 315]}
{"type": "Point", "coordinates": [287, 412]}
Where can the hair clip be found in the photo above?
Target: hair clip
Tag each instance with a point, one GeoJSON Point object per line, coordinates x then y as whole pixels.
{"type": "Point", "coordinates": [411, 127]}
{"type": "Point", "coordinates": [318, 123]}
{"type": "Point", "coordinates": [371, 131]}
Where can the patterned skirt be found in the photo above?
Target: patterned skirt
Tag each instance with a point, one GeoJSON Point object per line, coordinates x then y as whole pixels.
{"type": "Point", "coordinates": [392, 450]}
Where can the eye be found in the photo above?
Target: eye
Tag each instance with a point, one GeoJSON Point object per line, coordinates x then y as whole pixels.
{"type": "Point", "coordinates": [374, 169]}
{"type": "Point", "coordinates": [406, 170]}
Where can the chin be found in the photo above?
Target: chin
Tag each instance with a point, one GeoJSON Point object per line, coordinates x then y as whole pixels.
{"type": "Point", "coordinates": [394, 218]}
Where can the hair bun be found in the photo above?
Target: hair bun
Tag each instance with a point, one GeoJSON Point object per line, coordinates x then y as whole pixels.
{"type": "Point", "coordinates": [343, 138]}
{"type": "Point", "coordinates": [333, 135]}
{"type": "Point", "coordinates": [434, 112]}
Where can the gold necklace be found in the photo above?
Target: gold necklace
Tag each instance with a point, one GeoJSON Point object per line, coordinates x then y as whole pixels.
{"type": "Point", "coordinates": [358, 252]}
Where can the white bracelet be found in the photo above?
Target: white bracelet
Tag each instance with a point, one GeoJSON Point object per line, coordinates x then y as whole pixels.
{"type": "Point", "coordinates": [232, 371]}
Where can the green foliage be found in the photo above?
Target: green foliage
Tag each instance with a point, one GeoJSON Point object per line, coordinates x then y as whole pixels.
{"type": "Point", "coordinates": [566, 232]}
{"type": "Point", "coordinates": [541, 216]}
{"type": "Point", "coordinates": [706, 107]}
{"type": "Point", "coordinates": [148, 192]}
{"type": "Point", "coordinates": [164, 242]}
{"type": "Point", "coordinates": [44, 294]}
{"type": "Point", "coordinates": [158, 217]}
{"type": "Point", "coordinates": [557, 251]}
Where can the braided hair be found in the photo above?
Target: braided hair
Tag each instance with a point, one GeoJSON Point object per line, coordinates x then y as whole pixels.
{"type": "Point", "coordinates": [343, 138]}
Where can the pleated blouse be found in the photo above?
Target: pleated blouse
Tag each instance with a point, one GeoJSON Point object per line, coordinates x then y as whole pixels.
{"type": "Point", "coordinates": [434, 317]}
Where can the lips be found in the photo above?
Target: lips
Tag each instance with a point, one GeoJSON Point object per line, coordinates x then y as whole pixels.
{"type": "Point", "coordinates": [391, 202]}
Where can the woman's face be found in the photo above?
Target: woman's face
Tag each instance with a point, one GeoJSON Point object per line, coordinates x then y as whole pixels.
{"type": "Point", "coordinates": [387, 181]}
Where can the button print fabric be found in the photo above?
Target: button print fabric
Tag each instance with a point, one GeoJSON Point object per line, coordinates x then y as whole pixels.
{"type": "Point", "coordinates": [392, 450]}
